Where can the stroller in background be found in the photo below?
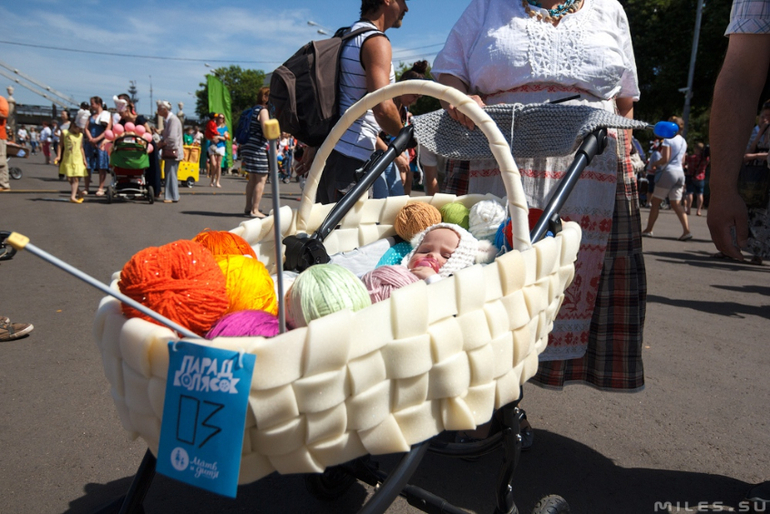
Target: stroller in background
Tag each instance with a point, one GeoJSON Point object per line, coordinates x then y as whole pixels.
{"type": "Point", "coordinates": [129, 161]}
{"type": "Point", "coordinates": [14, 150]}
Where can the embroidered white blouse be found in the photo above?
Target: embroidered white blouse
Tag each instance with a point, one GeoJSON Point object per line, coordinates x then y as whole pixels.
{"type": "Point", "coordinates": [496, 46]}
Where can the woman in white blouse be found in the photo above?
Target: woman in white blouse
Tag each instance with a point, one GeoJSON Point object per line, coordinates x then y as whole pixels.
{"type": "Point", "coordinates": [508, 51]}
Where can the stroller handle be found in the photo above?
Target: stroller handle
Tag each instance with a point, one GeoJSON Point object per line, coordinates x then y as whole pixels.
{"type": "Point", "coordinates": [517, 203]}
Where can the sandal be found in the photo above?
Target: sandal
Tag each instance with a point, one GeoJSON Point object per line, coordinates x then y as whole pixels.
{"type": "Point", "coordinates": [647, 234]}
{"type": "Point", "coordinates": [99, 192]}
{"type": "Point", "coordinates": [685, 237]}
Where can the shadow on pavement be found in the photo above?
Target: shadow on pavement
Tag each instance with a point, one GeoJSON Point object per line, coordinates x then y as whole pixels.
{"type": "Point", "coordinates": [716, 307]}
{"type": "Point", "coordinates": [762, 290]}
{"type": "Point", "coordinates": [705, 260]}
{"type": "Point", "coordinates": [589, 481]}
{"type": "Point", "coordinates": [216, 214]}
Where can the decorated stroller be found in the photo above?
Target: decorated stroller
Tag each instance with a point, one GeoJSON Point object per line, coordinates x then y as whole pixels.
{"type": "Point", "coordinates": [388, 378]}
{"type": "Point", "coordinates": [129, 161]}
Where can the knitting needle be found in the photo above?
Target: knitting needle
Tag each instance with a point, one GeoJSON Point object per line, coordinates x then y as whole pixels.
{"type": "Point", "coordinates": [273, 134]}
{"type": "Point", "coordinates": [21, 242]}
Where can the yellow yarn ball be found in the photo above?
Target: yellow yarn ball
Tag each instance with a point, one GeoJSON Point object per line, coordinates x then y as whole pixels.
{"type": "Point", "coordinates": [413, 218]}
{"type": "Point", "coordinates": [249, 285]}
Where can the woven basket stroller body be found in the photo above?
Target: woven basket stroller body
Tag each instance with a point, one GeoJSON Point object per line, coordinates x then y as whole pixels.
{"type": "Point", "coordinates": [431, 358]}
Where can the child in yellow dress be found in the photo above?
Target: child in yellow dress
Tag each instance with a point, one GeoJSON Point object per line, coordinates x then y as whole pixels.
{"type": "Point", "coordinates": [71, 156]}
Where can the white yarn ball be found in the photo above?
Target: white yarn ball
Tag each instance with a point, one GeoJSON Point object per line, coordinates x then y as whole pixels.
{"type": "Point", "coordinates": [485, 218]}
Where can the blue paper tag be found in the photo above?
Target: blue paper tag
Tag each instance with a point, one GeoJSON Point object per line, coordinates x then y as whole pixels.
{"type": "Point", "coordinates": [204, 414]}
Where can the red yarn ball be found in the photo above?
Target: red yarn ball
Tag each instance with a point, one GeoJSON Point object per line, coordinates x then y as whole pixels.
{"type": "Point", "coordinates": [532, 218]}
{"type": "Point", "coordinates": [180, 280]}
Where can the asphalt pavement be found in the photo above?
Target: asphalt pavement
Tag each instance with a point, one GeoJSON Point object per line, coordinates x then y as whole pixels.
{"type": "Point", "coordinates": [698, 434]}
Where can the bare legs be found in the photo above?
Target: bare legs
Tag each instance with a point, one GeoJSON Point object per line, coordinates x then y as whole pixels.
{"type": "Point", "coordinates": [679, 210]}
{"type": "Point", "coordinates": [102, 178]}
{"type": "Point", "coordinates": [431, 179]}
{"type": "Point", "coordinates": [74, 181]}
{"type": "Point", "coordinates": [254, 189]}
{"type": "Point", "coordinates": [655, 209]}
{"type": "Point", "coordinates": [216, 170]}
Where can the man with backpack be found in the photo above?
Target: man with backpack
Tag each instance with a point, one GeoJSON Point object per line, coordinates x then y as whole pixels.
{"type": "Point", "coordinates": [365, 66]}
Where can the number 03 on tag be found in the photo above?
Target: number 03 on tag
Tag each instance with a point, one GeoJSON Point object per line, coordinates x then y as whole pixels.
{"type": "Point", "coordinates": [204, 415]}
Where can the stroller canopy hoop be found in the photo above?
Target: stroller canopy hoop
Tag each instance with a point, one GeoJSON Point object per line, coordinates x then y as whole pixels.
{"type": "Point", "coordinates": [498, 145]}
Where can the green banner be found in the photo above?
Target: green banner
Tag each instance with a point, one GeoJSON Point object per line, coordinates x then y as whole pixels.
{"type": "Point", "coordinates": [219, 101]}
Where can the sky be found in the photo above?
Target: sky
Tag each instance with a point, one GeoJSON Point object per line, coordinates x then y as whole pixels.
{"type": "Point", "coordinates": [251, 34]}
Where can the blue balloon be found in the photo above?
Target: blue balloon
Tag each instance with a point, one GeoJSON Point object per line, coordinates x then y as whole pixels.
{"type": "Point", "coordinates": [666, 129]}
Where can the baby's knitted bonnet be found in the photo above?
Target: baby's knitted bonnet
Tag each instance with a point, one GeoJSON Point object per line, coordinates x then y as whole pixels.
{"type": "Point", "coordinates": [463, 257]}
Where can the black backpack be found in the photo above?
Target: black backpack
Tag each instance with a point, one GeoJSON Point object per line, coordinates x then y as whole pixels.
{"type": "Point", "coordinates": [304, 91]}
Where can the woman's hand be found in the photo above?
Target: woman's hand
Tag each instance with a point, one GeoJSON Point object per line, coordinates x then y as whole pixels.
{"type": "Point", "coordinates": [459, 117]}
{"type": "Point", "coordinates": [303, 167]}
{"type": "Point", "coordinates": [457, 83]}
{"type": "Point", "coordinates": [402, 162]}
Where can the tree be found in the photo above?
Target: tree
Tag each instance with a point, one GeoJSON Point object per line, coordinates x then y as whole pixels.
{"type": "Point", "coordinates": [243, 86]}
{"type": "Point", "coordinates": [662, 33]}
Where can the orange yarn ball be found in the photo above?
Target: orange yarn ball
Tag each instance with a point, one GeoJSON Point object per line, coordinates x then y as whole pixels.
{"type": "Point", "coordinates": [180, 280]}
{"type": "Point", "coordinates": [249, 285]}
{"type": "Point", "coordinates": [220, 242]}
{"type": "Point", "coordinates": [413, 218]}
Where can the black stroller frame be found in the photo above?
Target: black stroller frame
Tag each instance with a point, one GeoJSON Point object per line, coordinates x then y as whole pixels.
{"type": "Point", "coordinates": [302, 252]}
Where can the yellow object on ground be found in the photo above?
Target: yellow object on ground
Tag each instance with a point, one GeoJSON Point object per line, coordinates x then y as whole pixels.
{"type": "Point", "coordinates": [189, 167]}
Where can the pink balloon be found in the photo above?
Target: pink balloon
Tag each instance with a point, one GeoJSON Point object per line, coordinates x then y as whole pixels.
{"type": "Point", "coordinates": [108, 147]}
{"type": "Point", "coordinates": [147, 136]}
{"type": "Point", "coordinates": [117, 129]}
{"type": "Point", "coordinates": [149, 148]}
{"type": "Point", "coordinates": [130, 127]}
{"type": "Point", "coordinates": [109, 135]}
{"type": "Point", "coordinates": [139, 129]}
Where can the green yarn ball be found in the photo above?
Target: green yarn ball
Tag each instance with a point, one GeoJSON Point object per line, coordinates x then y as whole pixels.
{"type": "Point", "coordinates": [456, 213]}
{"type": "Point", "coordinates": [321, 290]}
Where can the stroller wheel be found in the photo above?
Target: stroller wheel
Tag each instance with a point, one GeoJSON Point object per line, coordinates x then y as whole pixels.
{"type": "Point", "coordinates": [151, 194]}
{"type": "Point", "coordinates": [109, 195]}
{"type": "Point", "coordinates": [15, 173]}
{"type": "Point", "coordinates": [329, 485]}
{"type": "Point", "coordinates": [552, 504]}
{"type": "Point", "coordinates": [6, 250]}
{"type": "Point", "coordinates": [190, 182]}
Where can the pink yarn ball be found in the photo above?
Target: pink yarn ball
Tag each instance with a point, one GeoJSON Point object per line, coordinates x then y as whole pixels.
{"type": "Point", "coordinates": [139, 129]}
{"type": "Point", "coordinates": [117, 129]}
{"type": "Point", "coordinates": [150, 148]}
{"type": "Point", "coordinates": [245, 323]}
{"type": "Point", "coordinates": [109, 135]}
{"type": "Point", "coordinates": [381, 282]}
{"type": "Point", "coordinates": [147, 137]}
{"type": "Point", "coordinates": [130, 127]}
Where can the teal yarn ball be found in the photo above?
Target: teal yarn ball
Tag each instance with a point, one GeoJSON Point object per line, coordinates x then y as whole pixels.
{"type": "Point", "coordinates": [321, 290]}
{"type": "Point", "coordinates": [395, 254]}
{"type": "Point", "coordinates": [456, 213]}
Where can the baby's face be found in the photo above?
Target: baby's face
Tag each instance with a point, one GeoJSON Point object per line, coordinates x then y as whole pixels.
{"type": "Point", "coordinates": [436, 248]}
